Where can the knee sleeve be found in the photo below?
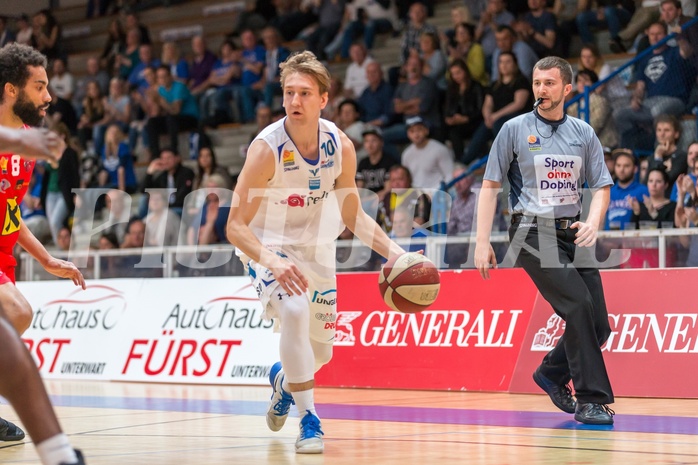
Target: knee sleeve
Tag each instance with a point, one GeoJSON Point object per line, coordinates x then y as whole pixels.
{"type": "Point", "coordinates": [323, 354]}
{"type": "Point", "coordinates": [295, 350]}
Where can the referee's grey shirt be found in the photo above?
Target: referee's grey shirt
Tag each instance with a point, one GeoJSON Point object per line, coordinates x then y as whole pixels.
{"type": "Point", "coordinates": [547, 163]}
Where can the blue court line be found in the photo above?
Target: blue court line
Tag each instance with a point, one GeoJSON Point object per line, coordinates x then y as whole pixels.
{"type": "Point", "coordinates": [506, 418]}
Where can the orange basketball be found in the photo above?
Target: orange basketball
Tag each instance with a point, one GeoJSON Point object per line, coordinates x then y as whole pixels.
{"type": "Point", "coordinates": [409, 282]}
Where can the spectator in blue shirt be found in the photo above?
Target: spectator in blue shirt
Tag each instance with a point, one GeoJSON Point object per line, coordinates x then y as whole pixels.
{"type": "Point", "coordinates": [404, 227]}
{"type": "Point", "coordinates": [626, 188]}
{"type": "Point", "coordinates": [117, 162]}
{"type": "Point", "coordinates": [172, 57]}
{"type": "Point", "coordinates": [145, 60]}
{"type": "Point", "coordinates": [253, 61]}
{"type": "Point", "coordinates": [376, 101]}
{"type": "Point", "coordinates": [220, 86]}
{"type": "Point", "coordinates": [274, 55]}
{"type": "Point", "coordinates": [178, 111]}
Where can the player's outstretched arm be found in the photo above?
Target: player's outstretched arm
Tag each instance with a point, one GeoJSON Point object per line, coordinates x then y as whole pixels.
{"type": "Point", "coordinates": [33, 143]}
{"type": "Point", "coordinates": [55, 266]}
{"type": "Point", "coordinates": [249, 191]}
{"type": "Point", "coordinates": [363, 226]}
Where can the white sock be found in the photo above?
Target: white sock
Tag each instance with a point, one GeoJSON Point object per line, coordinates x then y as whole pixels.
{"type": "Point", "coordinates": [56, 451]}
{"type": "Point", "coordinates": [305, 402]}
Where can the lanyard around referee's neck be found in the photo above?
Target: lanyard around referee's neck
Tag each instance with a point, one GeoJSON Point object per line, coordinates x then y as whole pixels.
{"type": "Point", "coordinates": [552, 124]}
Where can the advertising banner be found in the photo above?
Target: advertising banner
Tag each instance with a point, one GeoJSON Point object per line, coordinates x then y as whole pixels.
{"type": "Point", "coordinates": [479, 335]}
{"type": "Point", "coordinates": [654, 334]}
{"type": "Point", "coordinates": [185, 330]}
{"type": "Point", "coordinates": [468, 340]}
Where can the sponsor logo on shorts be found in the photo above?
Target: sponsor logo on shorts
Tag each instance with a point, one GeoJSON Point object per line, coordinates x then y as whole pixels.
{"type": "Point", "coordinates": [13, 217]}
{"type": "Point", "coordinates": [324, 298]}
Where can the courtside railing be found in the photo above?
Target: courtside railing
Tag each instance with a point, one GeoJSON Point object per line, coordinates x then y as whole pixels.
{"type": "Point", "coordinates": [643, 248]}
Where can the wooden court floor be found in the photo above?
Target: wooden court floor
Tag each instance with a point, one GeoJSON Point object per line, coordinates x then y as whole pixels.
{"type": "Point", "coordinates": [148, 424]}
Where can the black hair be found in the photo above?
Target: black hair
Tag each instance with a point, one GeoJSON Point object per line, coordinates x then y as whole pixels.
{"type": "Point", "coordinates": [15, 60]}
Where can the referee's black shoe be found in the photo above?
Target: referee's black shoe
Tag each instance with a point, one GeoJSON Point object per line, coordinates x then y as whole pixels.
{"type": "Point", "coordinates": [560, 394]}
{"type": "Point", "coordinates": [9, 431]}
{"type": "Point", "coordinates": [594, 414]}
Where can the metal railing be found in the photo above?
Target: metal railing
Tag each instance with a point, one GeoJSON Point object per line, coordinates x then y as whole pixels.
{"type": "Point", "coordinates": [180, 261]}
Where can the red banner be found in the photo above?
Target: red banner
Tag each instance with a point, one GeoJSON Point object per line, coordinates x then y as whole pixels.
{"type": "Point", "coordinates": [653, 346]}
{"type": "Point", "coordinates": [491, 335]}
{"type": "Point", "coordinates": [469, 339]}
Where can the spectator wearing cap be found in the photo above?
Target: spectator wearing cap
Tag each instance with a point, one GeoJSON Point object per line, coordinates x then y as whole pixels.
{"type": "Point", "coordinates": [372, 171]}
{"type": "Point", "coordinates": [430, 161]}
{"type": "Point", "coordinates": [376, 101]}
{"type": "Point", "coordinates": [626, 188]}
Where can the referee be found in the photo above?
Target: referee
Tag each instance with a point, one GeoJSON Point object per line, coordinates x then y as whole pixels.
{"type": "Point", "coordinates": [547, 156]}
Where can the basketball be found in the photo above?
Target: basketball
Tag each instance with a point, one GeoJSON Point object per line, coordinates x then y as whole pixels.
{"type": "Point", "coordinates": [409, 282]}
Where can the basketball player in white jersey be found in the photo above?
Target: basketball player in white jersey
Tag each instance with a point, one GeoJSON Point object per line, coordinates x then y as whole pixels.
{"type": "Point", "coordinates": [293, 197]}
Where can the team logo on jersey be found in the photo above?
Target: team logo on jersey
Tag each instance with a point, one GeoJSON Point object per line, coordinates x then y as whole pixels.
{"type": "Point", "coordinates": [12, 217]}
{"type": "Point", "coordinates": [288, 158]}
{"type": "Point", "coordinates": [27, 166]}
{"type": "Point", "coordinates": [326, 163]}
{"type": "Point", "coordinates": [4, 185]}
{"type": "Point", "coordinates": [314, 180]}
{"type": "Point", "coordinates": [20, 184]}
{"type": "Point", "coordinates": [3, 165]}
{"type": "Point", "coordinates": [533, 143]}
{"type": "Point", "coordinates": [294, 200]}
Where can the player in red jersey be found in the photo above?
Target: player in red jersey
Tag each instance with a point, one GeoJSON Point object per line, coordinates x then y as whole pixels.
{"type": "Point", "coordinates": [24, 99]}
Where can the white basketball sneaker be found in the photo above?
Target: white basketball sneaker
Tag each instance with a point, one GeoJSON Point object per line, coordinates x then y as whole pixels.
{"type": "Point", "coordinates": [310, 438]}
{"type": "Point", "coordinates": [280, 400]}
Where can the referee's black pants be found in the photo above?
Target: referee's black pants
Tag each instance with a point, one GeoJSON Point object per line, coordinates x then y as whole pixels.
{"type": "Point", "coordinates": [576, 295]}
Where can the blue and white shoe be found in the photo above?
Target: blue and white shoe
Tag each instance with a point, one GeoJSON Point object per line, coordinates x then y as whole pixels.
{"type": "Point", "coordinates": [280, 400]}
{"type": "Point", "coordinates": [310, 439]}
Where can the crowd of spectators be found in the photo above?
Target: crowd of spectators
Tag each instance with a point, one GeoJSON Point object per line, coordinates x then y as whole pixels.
{"type": "Point", "coordinates": [425, 120]}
